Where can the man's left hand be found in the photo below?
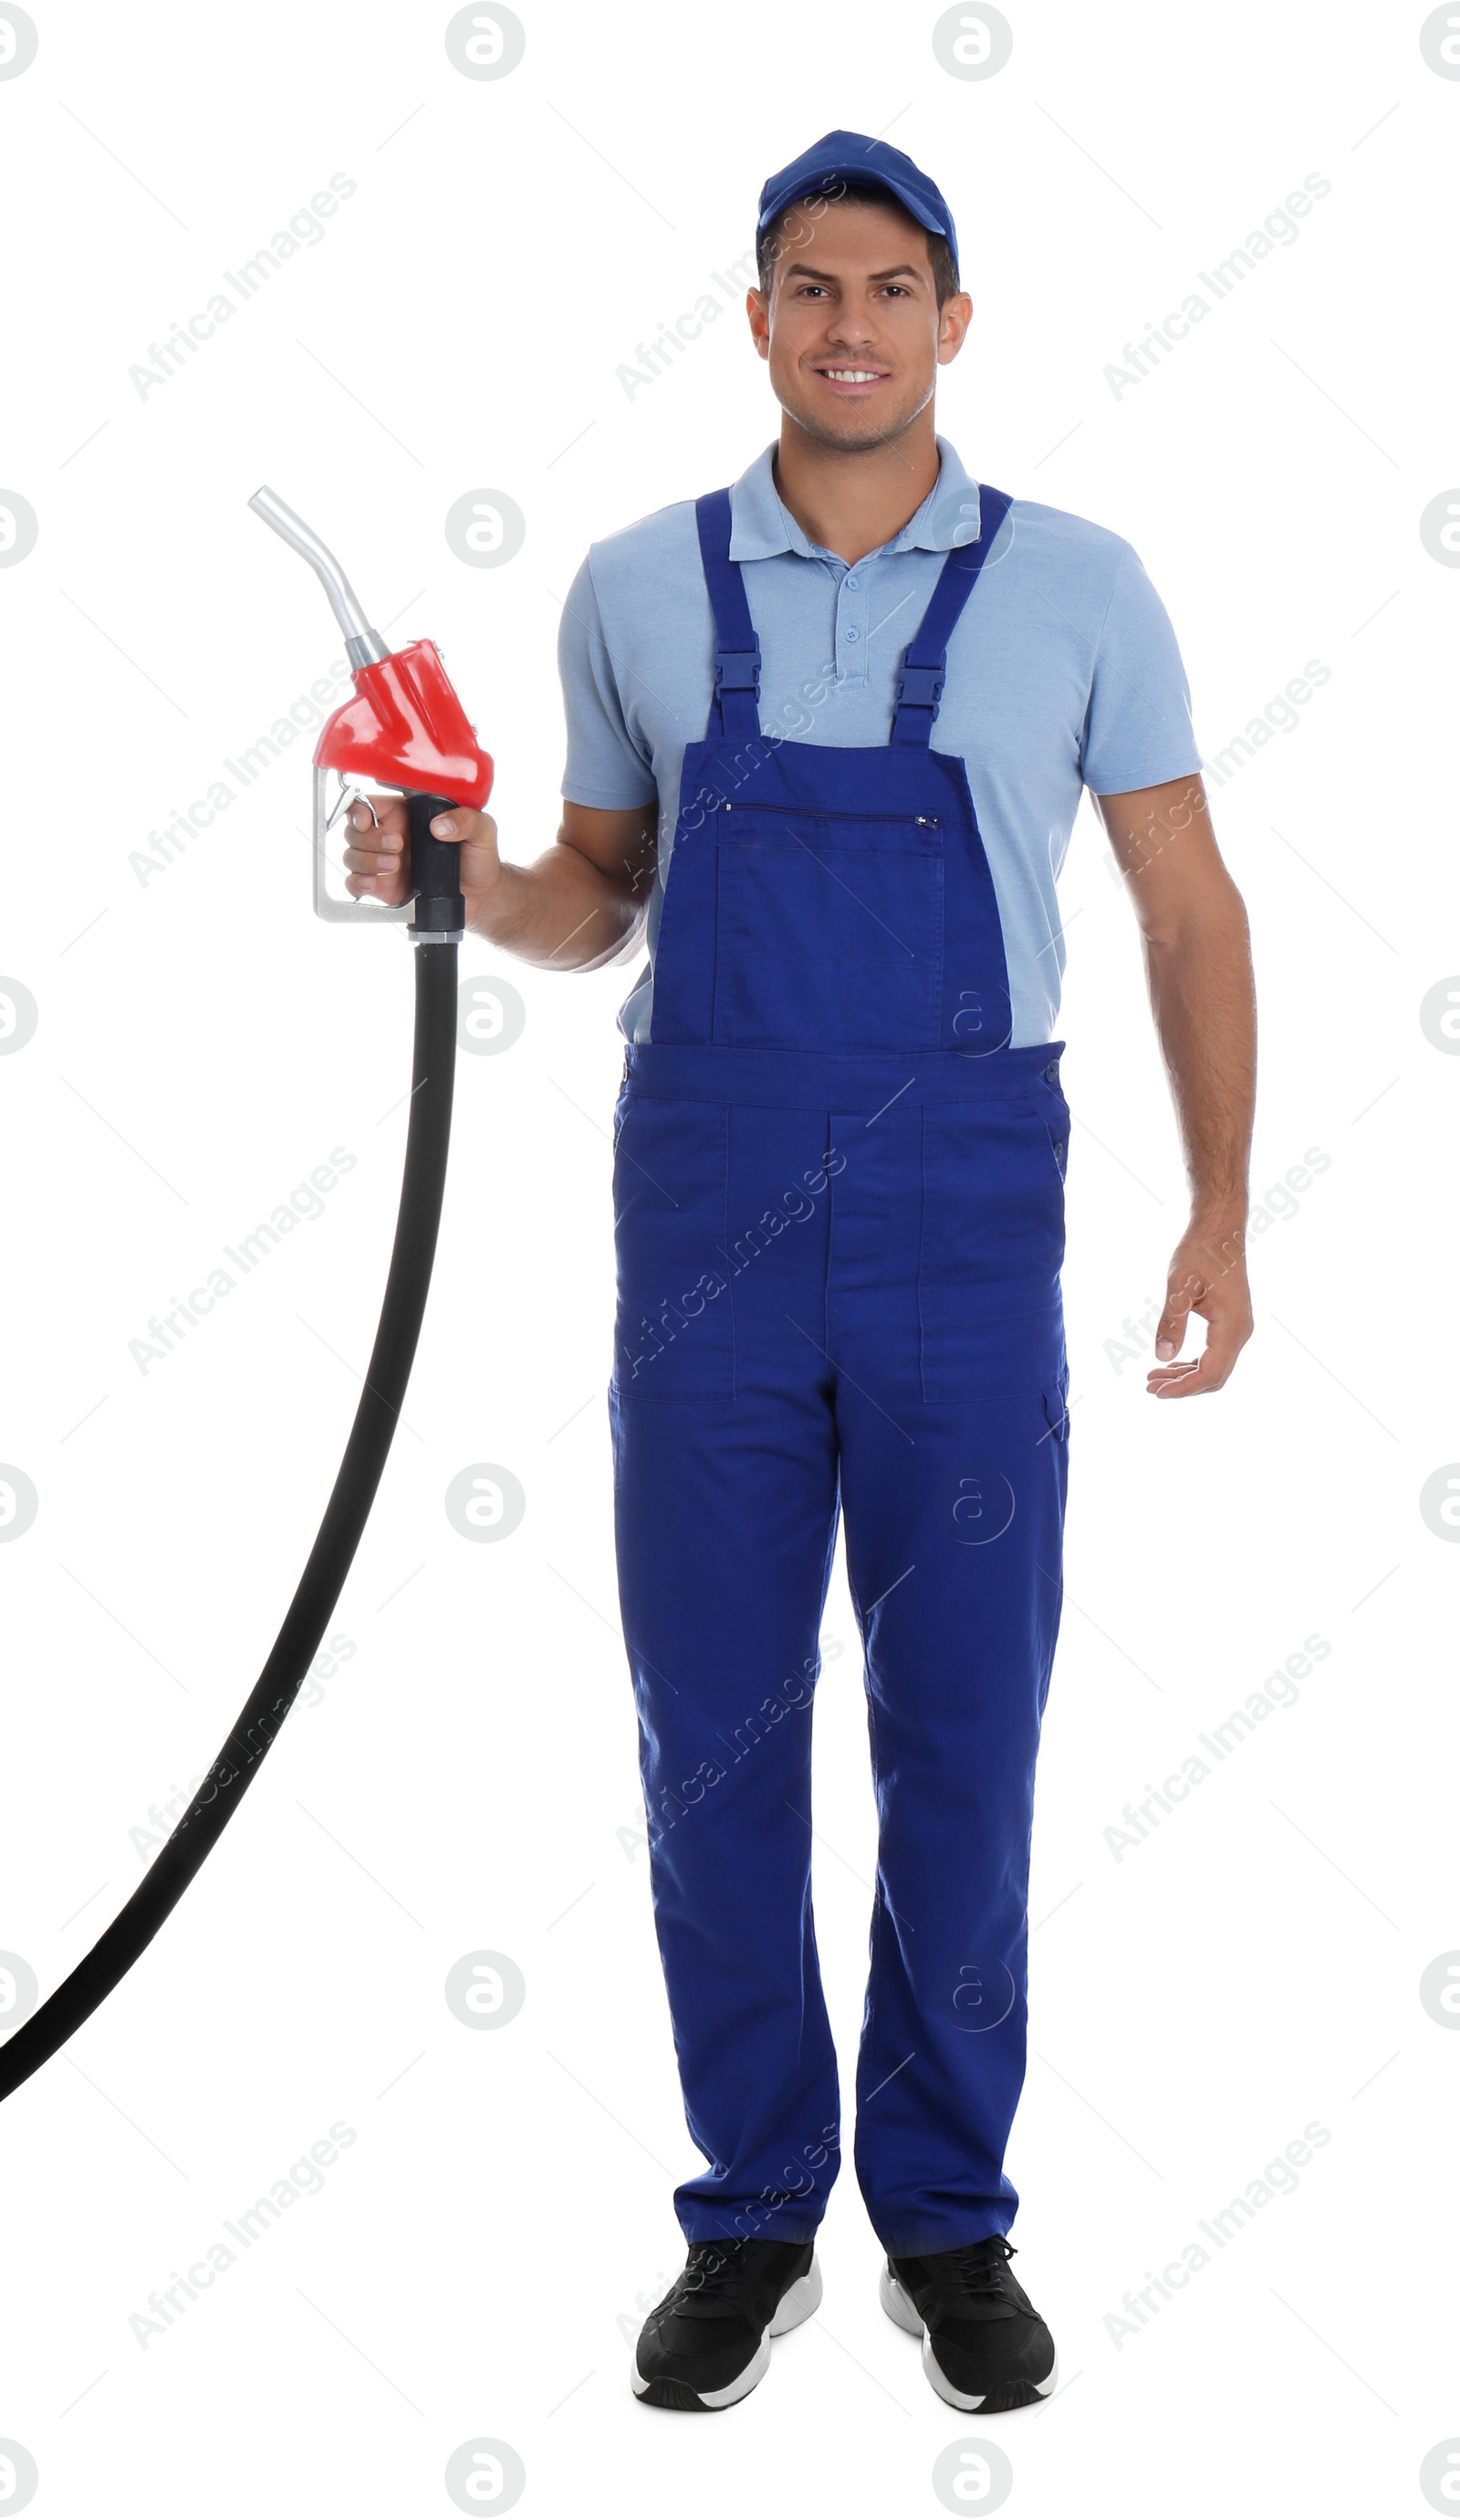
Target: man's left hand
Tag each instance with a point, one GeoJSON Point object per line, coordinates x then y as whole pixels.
{"type": "Point", "coordinates": [1208, 1276]}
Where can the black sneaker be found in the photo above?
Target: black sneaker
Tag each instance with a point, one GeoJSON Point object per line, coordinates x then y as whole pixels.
{"type": "Point", "coordinates": [985, 2346]}
{"type": "Point", "coordinates": [708, 2341]}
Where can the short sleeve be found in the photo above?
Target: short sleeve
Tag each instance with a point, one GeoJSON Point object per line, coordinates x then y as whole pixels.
{"type": "Point", "coordinates": [1138, 729]}
{"type": "Point", "coordinates": [605, 767]}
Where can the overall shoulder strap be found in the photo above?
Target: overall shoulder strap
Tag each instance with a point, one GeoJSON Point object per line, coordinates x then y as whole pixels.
{"type": "Point", "coordinates": [920, 682]}
{"type": "Point", "coordinates": [735, 708]}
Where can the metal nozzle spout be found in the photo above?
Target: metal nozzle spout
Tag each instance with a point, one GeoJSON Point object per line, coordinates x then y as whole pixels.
{"type": "Point", "coordinates": [363, 645]}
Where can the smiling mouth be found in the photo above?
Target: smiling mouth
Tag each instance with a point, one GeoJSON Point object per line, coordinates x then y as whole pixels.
{"type": "Point", "coordinates": [853, 377]}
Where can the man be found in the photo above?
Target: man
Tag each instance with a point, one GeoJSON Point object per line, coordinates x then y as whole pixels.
{"type": "Point", "coordinates": [839, 1184]}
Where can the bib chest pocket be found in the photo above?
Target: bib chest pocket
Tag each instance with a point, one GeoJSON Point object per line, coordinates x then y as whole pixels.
{"type": "Point", "coordinates": [828, 930]}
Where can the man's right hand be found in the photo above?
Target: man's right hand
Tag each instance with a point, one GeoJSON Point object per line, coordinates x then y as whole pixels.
{"type": "Point", "coordinates": [581, 905]}
{"type": "Point", "coordinates": [379, 856]}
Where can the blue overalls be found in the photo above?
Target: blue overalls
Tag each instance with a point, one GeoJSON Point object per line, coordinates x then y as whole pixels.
{"type": "Point", "coordinates": [839, 1201]}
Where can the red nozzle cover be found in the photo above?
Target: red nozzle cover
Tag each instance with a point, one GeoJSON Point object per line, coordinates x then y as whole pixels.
{"type": "Point", "coordinates": [406, 728]}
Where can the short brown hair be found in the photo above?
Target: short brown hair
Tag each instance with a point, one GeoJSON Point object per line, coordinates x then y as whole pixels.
{"type": "Point", "coordinates": [768, 244]}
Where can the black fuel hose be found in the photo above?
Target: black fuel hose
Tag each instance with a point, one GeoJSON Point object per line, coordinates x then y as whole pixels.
{"type": "Point", "coordinates": [423, 1184]}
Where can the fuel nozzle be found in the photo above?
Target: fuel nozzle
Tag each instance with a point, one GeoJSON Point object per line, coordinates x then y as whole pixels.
{"type": "Point", "coordinates": [405, 729]}
{"type": "Point", "coordinates": [363, 645]}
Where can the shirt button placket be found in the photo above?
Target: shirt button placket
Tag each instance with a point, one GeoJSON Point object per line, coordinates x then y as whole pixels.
{"type": "Point", "coordinates": [852, 598]}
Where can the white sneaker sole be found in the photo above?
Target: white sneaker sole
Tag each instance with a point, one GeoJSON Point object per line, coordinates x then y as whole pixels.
{"type": "Point", "coordinates": [900, 2307]}
{"type": "Point", "coordinates": [798, 2304]}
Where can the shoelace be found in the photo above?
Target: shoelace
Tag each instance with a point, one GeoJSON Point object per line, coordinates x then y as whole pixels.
{"type": "Point", "coordinates": [713, 2281]}
{"type": "Point", "coordinates": [976, 2272]}
{"type": "Point", "coordinates": [713, 2266]}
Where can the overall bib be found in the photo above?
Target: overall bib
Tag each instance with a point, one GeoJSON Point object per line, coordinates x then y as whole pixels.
{"type": "Point", "coordinates": [838, 1200]}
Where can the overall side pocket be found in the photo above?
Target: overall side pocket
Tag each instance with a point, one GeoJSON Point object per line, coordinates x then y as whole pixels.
{"type": "Point", "coordinates": [993, 1246]}
{"type": "Point", "coordinates": [674, 1330]}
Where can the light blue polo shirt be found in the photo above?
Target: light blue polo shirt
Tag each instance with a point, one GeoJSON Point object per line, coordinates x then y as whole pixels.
{"type": "Point", "coordinates": [1062, 672]}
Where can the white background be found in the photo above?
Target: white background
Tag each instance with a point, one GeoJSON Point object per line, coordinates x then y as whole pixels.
{"type": "Point", "coordinates": [467, 1778]}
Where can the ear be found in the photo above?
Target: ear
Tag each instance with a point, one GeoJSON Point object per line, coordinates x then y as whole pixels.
{"type": "Point", "coordinates": [954, 319]}
{"type": "Point", "coordinates": [757, 313]}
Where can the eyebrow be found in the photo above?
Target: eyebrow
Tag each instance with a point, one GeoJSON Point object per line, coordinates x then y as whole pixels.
{"type": "Point", "coordinates": [897, 271]}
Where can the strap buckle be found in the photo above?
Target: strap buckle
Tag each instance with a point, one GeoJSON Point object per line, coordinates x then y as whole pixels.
{"type": "Point", "coordinates": [738, 669]}
{"type": "Point", "coordinates": [921, 686]}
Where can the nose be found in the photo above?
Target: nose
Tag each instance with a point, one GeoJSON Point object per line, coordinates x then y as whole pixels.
{"type": "Point", "coordinates": [853, 325]}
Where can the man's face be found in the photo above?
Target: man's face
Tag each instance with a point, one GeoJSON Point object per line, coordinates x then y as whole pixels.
{"type": "Point", "coordinates": [852, 328]}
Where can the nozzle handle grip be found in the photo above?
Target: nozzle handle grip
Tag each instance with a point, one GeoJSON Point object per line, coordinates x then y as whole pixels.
{"type": "Point", "coordinates": [436, 869]}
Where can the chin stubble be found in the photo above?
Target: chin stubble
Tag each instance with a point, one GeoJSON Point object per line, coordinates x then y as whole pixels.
{"type": "Point", "coordinates": [837, 443]}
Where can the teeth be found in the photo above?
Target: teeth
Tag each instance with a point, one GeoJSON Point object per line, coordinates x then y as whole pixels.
{"type": "Point", "coordinates": [851, 376]}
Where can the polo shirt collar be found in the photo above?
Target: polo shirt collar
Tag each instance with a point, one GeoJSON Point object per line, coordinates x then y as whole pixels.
{"type": "Point", "coordinates": [760, 526]}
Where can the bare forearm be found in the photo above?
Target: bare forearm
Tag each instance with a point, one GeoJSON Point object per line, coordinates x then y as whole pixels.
{"type": "Point", "coordinates": [1200, 976]}
{"type": "Point", "coordinates": [563, 912]}
{"type": "Point", "coordinates": [581, 905]}
{"type": "Point", "coordinates": [1199, 971]}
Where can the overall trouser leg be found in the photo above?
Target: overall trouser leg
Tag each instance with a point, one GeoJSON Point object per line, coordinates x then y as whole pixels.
{"type": "Point", "coordinates": [954, 1565]}
{"type": "Point", "coordinates": [951, 1416]}
{"type": "Point", "coordinates": [726, 1510]}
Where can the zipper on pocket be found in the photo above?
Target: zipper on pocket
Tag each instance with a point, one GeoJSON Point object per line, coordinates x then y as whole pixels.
{"type": "Point", "coordinates": [832, 814]}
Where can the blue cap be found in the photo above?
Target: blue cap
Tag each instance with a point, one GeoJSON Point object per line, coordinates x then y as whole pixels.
{"type": "Point", "coordinates": [849, 157]}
